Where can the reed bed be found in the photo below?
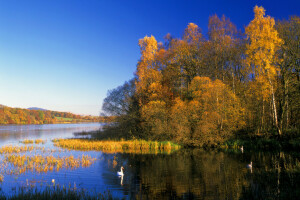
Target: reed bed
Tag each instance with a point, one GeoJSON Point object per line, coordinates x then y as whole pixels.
{"type": "Point", "coordinates": [17, 149]}
{"type": "Point", "coordinates": [26, 141]}
{"type": "Point", "coordinates": [55, 192]}
{"type": "Point", "coordinates": [37, 141]}
{"type": "Point", "coordinates": [115, 146]}
{"type": "Point", "coordinates": [138, 151]}
{"type": "Point", "coordinates": [19, 164]}
{"type": "Point", "coordinates": [15, 160]}
{"type": "Point", "coordinates": [32, 149]}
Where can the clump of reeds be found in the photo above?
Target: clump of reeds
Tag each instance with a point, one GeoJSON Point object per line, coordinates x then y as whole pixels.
{"type": "Point", "coordinates": [55, 192]}
{"type": "Point", "coordinates": [232, 144]}
{"type": "Point", "coordinates": [38, 141]}
{"type": "Point", "coordinates": [115, 146]}
{"type": "Point", "coordinates": [18, 164]}
{"type": "Point", "coordinates": [15, 149]}
{"type": "Point", "coordinates": [26, 141]}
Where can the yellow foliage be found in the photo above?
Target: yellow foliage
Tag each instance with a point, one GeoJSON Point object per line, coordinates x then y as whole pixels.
{"type": "Point", "coordinates": [155, 114]}
{"type": "Point", "coordinates": [192, 33]}
{"type": "Point", "coordinates": [213, 110]}
{"type": "Point", "coordinates": [149, 76]}
{"type": "Point", "coordinates": [148, 47]}
{"type": "Point", "coordinates": [264, 42]}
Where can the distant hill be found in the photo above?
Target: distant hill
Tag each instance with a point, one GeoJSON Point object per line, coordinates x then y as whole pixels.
{"type": "Point", "coordinates": [36, 108]}
{"type": "Point", "coordinates": [35, 115]}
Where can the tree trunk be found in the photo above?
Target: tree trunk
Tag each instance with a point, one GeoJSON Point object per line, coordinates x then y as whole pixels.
{"type": "Point", "coordinates": [263, 114]}
{"type": "Point", "coordinates": [287, 107]}
{"type": "Point", "coordinates": [274, 106]}
{"type": "Point", "coordinates": [233, 85]}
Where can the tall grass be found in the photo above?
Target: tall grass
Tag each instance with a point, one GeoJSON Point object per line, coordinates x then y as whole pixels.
{"type": "Point", "coordinates": [55, 192]}
{"type": "Point", "coordinates": [14, 161]}
{"type": "Point", "coordinates": [37, 141]}
{"type": "Point", "coordinates": [117, 146]}
{"type": "Point", "coordinates": [17, 164]}
{"type": "Point", "coordinates": [16, 149]}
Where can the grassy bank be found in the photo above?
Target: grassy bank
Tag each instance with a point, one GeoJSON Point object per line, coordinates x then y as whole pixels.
{"type": "Point", "coordinates": [116, 146]}
{"type": "Point", "coordinates": [289, 140]}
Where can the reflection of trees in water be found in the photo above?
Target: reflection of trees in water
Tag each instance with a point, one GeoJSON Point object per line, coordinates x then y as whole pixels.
{"type": "Point", "coordinates": [187, 174]}
{"type": "Point", "coordinates": [203, 174]}
{"type": "Point", "coordinates": [276, 176]}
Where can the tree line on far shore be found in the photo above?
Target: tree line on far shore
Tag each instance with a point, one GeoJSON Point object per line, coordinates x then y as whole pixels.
{"type": "Point", "coordinates": [201, 89]}
{"type": "Point", "coordinates": [10, 115]}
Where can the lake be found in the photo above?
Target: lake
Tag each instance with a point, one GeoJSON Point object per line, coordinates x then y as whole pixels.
{"type": "Point", "coordinates": [183, 174]}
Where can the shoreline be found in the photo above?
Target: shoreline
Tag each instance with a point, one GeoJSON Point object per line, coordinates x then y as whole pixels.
{"type": "Point", "coordinates": [51, 123]}
{"type": "Point", "coordinates": [267, 142]}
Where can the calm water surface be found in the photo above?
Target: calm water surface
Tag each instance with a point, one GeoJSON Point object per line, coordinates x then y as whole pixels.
{"type": "Point", "coordinates": [184, 174]}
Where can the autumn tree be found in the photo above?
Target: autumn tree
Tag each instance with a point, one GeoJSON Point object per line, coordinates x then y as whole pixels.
{"type": "Point", "coordinates": [213, 113]}
{"type": "Point", "coordinates": [185, 57]}
{"type": "Point", "coordinates": [147, 72]}
{"type": "Point", "coordinates": [151, 94]}
{"type": "Point", "coordinates": [289, 31]}
{"type": "Point", "coordinates": [261, 56]}
{"type": "Point", "coordinates": [122, 105]}
{"type": "Point", "coordinates": [199, 91]}
{"type": "Point", "coordinates": [220, 54]}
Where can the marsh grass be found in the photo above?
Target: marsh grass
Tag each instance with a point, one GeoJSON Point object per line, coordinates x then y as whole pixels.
{"type": "Point", "coordinates": [116, 146]}
{"type": "Point", "coordinates": [17, 149]}
{"type": "Point", "coordinates": [26, 141]}
{"type": "Point", "coordinates": [17, 160]}
{"type": "Point", "coordinates": [232, 144]}
{"type": "Point", "coordinates": [37, 141]}
{"type": "Point", "coordinates": [40, 141]}
{"type": "Point", "coordinates": [19, 164]}
{"type": "Point", "coordinates": [55, 192]}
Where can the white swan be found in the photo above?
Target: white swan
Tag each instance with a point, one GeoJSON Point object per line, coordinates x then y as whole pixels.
{"type": "Point", "coordinates": [121, 173]}
{"type": "Point", "coordinates": [249, 165]}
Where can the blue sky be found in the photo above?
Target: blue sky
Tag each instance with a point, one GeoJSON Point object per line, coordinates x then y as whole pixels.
{"type": "Point", "coordinates": [65, 55]}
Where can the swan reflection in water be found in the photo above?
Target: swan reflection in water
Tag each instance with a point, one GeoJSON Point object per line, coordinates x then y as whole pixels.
{"type": "Point", "coordinates": [121, 180]}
